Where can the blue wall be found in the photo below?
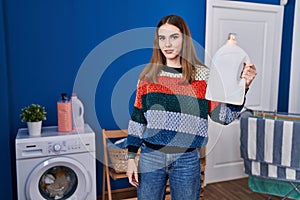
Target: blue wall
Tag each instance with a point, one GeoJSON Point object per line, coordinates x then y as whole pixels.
{"type": "Point", "coordinates": [44, 43]}
{"type": "Point", "coordinates": [5, 136]}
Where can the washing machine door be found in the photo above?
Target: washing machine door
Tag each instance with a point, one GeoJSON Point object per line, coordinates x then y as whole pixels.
{"type": "Point", "coordinates": [58, 178]}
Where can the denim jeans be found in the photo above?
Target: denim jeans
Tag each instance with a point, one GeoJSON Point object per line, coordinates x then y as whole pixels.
{"type": "Point", "coordinates": [182, 170]}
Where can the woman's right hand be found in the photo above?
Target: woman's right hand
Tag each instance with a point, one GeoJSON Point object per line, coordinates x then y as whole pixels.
{"type": "Point", "coordinates": [132, 173]}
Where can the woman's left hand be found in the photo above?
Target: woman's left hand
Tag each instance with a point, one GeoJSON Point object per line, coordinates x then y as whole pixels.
{"type": "Point", "coordinates": [249, 73]}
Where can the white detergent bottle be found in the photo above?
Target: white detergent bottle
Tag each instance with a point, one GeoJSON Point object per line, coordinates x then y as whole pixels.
{"type": "Point", "coordinates": [77, 113]}
{"type": "Point", "coordinates": [224, 83]}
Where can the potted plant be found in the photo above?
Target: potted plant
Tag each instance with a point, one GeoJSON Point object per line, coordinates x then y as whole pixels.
{"type": "Point", "coordinates": [33, 114]}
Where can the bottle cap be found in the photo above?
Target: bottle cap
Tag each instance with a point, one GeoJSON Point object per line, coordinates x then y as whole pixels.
{"type": "Point", "coordinates": [231, 39]}
{"type": "Point", "coordinates": [74, 95]}
{"type": "Point", "coordinates": [64, 97]}
{"type": "Point", "coordinates": [231, 36]}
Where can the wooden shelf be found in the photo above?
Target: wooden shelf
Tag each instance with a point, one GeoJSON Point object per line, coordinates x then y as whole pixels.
{"type": "Point", "coordinates": [115, 175]}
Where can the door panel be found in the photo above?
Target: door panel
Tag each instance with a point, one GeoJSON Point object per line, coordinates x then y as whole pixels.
{"type": "Point", "coordinates": [223, 162]}
{"type": "Point", "coordinates": [258, 28]}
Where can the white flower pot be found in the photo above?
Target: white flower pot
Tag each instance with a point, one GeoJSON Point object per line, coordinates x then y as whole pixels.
{"type": "Point", "coordinates": [34, 128]}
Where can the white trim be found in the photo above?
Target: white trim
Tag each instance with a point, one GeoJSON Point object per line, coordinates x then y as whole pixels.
{"type": "Point", "coordinates": [294, 96]}
{"type": "Point", "coordinates": [283, 2]}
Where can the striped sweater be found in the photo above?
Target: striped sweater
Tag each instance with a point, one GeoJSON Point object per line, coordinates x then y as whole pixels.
{"type": "Point", "coordinates": [175, 114]}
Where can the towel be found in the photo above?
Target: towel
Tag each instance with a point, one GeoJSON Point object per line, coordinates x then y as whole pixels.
{"type": "Point", "coordinates": [271, 148]}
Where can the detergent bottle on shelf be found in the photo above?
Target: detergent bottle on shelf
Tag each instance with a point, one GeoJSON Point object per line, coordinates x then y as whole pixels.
{"type": "Point", "coordinates": [224, 82]}
{"type": "Point", "coordinates": [64, 114]}
{"type": "Point", "coordinates": [77, 113]}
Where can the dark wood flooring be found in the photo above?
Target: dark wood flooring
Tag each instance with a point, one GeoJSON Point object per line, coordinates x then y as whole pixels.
{"type": "Point", "coordinates": [227, 190]}
{"type": "Point", "coordinates": [234, 190]}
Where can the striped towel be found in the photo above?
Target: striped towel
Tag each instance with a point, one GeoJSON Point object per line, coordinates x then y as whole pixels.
{"type": "Point", "coordinates": [271, 148]}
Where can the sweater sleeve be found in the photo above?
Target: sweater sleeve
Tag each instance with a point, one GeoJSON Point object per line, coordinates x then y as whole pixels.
{"type": "Point", "coordinates": [137, 123]}
{"type": "Point", "coordinates": [224, 113]}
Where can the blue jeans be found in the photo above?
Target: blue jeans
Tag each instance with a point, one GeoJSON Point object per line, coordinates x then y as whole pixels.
{"type": "Point", "coordinates": [182, 170]}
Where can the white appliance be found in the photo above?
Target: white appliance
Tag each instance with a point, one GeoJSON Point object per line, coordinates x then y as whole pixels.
{"type": "Point", "coordinates": [56, 165]}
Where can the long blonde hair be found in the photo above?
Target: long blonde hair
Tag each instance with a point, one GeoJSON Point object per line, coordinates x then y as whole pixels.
{"type": "Point", "coordinates": [188, 56]}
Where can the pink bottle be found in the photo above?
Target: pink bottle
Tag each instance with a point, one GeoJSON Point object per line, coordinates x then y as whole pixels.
{"type": "Point", "coordinates": [64, 114]}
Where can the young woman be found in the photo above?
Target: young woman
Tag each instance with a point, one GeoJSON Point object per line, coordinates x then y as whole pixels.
{"type": "Point", "coordinates": [169, 120]}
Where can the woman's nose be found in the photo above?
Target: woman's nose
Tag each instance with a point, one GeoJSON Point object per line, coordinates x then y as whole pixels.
{"type": "Point", "coordinates": [168, 43]}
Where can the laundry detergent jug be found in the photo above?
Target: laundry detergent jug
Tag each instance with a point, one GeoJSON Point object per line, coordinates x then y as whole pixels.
{"type": "Point", "coordinates": [77, 113]}
{"type": "Point", "coordinates": [224, 82]}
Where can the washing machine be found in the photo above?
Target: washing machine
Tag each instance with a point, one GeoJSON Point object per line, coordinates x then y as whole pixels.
{"type": "Point", "coordinates": [56, 165]}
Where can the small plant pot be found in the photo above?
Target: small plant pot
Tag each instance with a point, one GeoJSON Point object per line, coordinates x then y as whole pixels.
{"type": "Point", "coordinates": [34, 128]}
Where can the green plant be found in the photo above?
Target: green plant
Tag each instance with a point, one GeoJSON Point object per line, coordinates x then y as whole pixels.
{"type": "Point", "coordinates": [33, 113]}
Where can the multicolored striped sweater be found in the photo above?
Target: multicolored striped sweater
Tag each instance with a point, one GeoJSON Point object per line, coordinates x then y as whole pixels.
{"type": "Point", "coordinates": [171, 113]}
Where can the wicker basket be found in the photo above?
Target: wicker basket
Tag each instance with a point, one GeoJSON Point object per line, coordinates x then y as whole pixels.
{"type": "Point", "coordinates": [117, 158]}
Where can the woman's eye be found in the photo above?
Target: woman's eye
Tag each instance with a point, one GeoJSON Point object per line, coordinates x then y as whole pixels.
{"type": "Point", "coordinates": [161, 38]}
{"type": "Point", "coordinates": [174, 37]}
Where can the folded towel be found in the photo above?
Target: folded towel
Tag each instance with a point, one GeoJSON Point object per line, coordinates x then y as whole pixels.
{"type": "Point", "coordinates": [270, 171]}
{"type": "Point", "coordinates": [272, 141]}
{"type": "Point", "coordinates": [119, 144]}
{"type": "Point", "coordinates": [271, 148]}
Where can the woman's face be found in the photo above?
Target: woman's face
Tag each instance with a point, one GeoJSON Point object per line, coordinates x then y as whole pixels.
{"type": "Point", "coordinates": [170, 41]}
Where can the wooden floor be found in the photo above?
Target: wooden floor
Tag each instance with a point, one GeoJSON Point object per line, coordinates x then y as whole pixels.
{"type": "Point", "coordinates": [233, 190]}
{"type": "Point", "coordinates": [228, 190]}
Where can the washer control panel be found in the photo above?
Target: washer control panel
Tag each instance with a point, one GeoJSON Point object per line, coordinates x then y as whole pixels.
{"type": "Point", "coordinates": [48, 146]}
{"type": "Point", "coordinates": [51, 142]}
{"type": "Point", "coordinates": [65, 146]}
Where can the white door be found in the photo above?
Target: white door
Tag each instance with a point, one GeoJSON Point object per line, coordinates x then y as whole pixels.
{"type": "Point", "coordinates": [258, 28]}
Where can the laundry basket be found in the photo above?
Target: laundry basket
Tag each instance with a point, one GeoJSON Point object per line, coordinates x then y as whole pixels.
{"type": "Point", "coordinates": [117, 156]}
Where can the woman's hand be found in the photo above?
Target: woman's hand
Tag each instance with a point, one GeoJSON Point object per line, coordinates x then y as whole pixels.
{"type": "Point", "coordinates": [249, 73]}
{"type": "Point", "coordinates": [132, 173]}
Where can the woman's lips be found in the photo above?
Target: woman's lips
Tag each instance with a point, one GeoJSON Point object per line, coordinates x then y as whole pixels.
{"type": "Point", "coordinates": [169, 51]}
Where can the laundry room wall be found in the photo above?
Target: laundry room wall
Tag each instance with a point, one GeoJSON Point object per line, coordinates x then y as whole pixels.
{"type": "Point", "coordinates": [44, 43]}
{"type": "Point", "coordinates": [6, 142]}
